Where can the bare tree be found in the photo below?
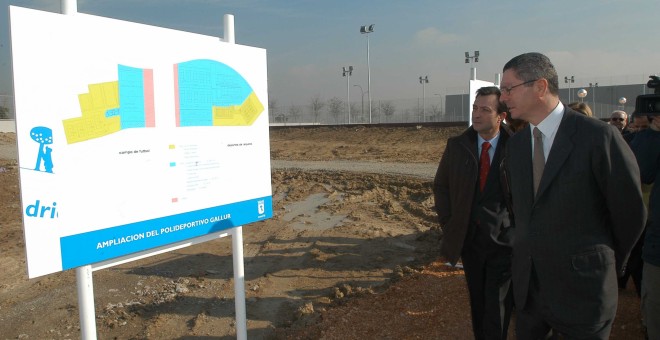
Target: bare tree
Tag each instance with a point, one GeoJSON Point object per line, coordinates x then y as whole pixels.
{"type": "Point", "coordinates": [272, 108]}
{"type": "Point", "coordinates": [294, 112]}
{"type": "Point", "coordinates": [388, 108]}
{"type": "Point", "coordinates": [317, 105]}
{"type": "Point", "coordinates": [436, 111]}
{"type": "Point", "coordinates": [419, 112]}
{"type": "Point", "coordinates": [4, 112]}
{"type": "Point", "coordinates": [356, 115]}
{"type": "Point", "coordinates": [336, 108]}
{"type": "Point", "coordinates": [411, 113]}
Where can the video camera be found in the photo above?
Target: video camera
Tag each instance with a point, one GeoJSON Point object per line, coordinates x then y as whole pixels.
{"type": "Point", "coordinates": [649, 104]}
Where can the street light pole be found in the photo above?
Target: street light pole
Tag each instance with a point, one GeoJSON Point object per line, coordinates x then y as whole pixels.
{"type": "Point", "coordinates": [593, 88]}
{"type": "Point", "coordinates": [423, 80]}
{"type": "Point", "coordinates": [366, 30]}
{"type": "Point", "coordinates": [468, 59]}
{"type": "Point", "coordinates": [442, 109]}
{"type": "Point", "coordinates": [346, 72]}
{"type": "Point", "coordinates": [568, 81]}
{"type": "Point", "coordinates": [361, 91]}
{"type": "Point", "coordinates": [473, 76]}
{"type": "Point", "coordinates": [582, 93]}
{"type": "Point", "coordinates": [622, 102]}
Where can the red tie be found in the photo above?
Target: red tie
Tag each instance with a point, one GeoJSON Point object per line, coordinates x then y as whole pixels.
{"type": "Point", "coordinates": [484, 165]}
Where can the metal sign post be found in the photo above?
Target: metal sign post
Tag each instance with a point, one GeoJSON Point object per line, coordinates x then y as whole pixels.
{"type": "Point", "coordinates": [237, 233]}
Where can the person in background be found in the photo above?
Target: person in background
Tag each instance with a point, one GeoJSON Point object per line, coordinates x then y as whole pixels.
{"type": "Point", "coordinates": [635, 265]}
{"type": "Point", "coordinates": [582, 108]}
{"type": "Point", "coordinates": [577, 204]}
{"type": "Point", "coordinates": [619, 119]}
{"type": "Point", "coordinates": [646, 146]}
{"type": "Point", "coordinates": [473, 214]}
{"type": "Point", "coordinates": [638, 123]}
{"type": "Point", "coordinates": [515, 124]}
{"type": "Point", "coordinates": [642, 122]}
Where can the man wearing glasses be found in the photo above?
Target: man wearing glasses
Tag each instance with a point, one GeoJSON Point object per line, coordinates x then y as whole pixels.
{"type": "Point", "coordinates": [620, 120]}
{"type": "Point", "coordinates": [577, 204]}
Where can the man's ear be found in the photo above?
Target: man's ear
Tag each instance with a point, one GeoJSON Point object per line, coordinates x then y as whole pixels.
{"type": "Point", "coordinates": [541, 86]}
{"type": "Point", "coordinates": [502, 116]}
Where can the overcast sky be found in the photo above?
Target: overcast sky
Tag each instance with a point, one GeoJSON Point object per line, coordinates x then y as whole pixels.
{"type": "Point", "coordinates": [308, 42]}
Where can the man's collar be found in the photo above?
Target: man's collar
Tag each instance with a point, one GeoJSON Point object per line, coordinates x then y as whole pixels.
{"type": "Point", "coordinates": [550, 123]}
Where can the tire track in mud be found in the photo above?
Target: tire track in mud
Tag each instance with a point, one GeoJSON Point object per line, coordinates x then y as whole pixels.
{"type": "Point", "coordinates": [421, 170]}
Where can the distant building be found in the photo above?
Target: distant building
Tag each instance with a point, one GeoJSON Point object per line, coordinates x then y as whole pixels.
{"type": "Point", "coordinates": [606, 100]}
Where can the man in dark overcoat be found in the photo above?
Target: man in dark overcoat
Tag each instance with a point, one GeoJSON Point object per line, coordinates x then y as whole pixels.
{"type": "Point", "coordinates": [578, 208]}
{"type": "Point", "coordinates": [473, 215]}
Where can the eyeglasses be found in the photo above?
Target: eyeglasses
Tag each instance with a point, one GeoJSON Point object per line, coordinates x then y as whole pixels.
{"type": "Point", "coordinates": [508, 89]}
{"type": "Point", "coordinates": [617, 119]}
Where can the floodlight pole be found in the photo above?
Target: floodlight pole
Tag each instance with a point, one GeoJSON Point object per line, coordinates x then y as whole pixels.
{"type": "Point", "coordinates": [473, 76]}
{"type": "Point", "coordinates": [366, 30]}
{"type": "Point", "coordinates": [347, 72]}
{"type": "Point", "coordinates": [474, 58]}
{"type": "Point", "coordinates": [582, 93]}
{"type": "Point", "coordinates": [423, 80]}
{"type": "Point", "coordinates": [593, 88]}
{"type": "Point", "coordinates": [361, 91]}
{"type": "Point", "coordinates": [369, 78]}
{"type": "Point", "coordinates": [622, 102]}
{"type": "Point", "coordinates": [442, 109]}
{"type": "Point", "coordinates": [568, 81]}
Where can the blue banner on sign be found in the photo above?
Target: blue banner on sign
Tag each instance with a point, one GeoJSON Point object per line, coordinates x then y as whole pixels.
{"type": "Point", "coordinates": [100, 245]}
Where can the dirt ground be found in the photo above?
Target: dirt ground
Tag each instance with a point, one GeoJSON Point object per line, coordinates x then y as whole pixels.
{"type": "Point", "coordinates": [348, 254]}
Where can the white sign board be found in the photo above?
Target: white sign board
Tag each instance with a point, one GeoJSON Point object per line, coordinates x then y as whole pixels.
{"type": "Point", "coordinates": [132, 137]}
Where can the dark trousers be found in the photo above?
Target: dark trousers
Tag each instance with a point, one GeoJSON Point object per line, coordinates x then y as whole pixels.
{"type": "Point", "coordinates": [536, 322]}
{"type": "Point", "coordinates": [488, 276]}
{"type": "Point", "coordinates": [635, 266]}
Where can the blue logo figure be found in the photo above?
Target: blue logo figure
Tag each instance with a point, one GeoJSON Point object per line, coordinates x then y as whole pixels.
{"type": "Point", "coordinates": [48, 160]}
{"type": "Point", "coordinates": [43, 136]}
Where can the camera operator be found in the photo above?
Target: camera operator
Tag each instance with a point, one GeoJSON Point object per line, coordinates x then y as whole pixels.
{"type": "Point", "coordinates": [646, 146]}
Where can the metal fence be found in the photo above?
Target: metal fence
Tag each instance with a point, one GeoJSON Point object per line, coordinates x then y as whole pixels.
{"type": "Point", "coordinates": [454, 106]}
{"type": "Point", "coordinates": [7, 107]}
{"type": "Point", "coordinates": [382, 111]}
{"type": "Point", "coordinates": [605, 99]}
{"type": "Point", "coordinates": [448, 108]}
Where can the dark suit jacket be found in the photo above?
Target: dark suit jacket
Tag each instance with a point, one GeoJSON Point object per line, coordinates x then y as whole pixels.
{"type": "Point", "coordinates": [458, 201]}
{"type": "Point", "coordinates": [586, 217]}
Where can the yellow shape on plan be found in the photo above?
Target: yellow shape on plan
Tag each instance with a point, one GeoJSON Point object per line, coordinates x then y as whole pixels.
{"type": "Point", "coordinates": [238, 115]}
{"type": "Point", "coordinates": [94, 123]}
